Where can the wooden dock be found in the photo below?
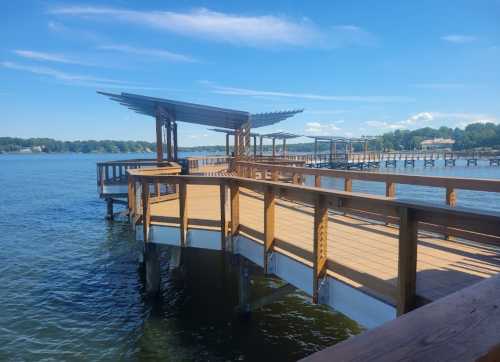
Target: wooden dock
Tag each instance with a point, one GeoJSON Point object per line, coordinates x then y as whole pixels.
{"type": "Point", "coordinates": [365, 251]}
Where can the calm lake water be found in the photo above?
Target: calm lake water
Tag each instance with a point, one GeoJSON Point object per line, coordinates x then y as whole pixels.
{"type": "Point", "coordinates": [72, 289]}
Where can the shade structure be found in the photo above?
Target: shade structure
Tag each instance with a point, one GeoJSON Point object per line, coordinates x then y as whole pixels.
{"type": "Point", "coordinates": [197, 113]}
{"type": "Point", "coordinates": [231, 132]}
{"type": "Point", "coordinates": [280, 135]}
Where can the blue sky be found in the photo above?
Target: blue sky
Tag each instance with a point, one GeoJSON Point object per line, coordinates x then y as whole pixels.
{"type": "Point", "coordinates": [356, 67]}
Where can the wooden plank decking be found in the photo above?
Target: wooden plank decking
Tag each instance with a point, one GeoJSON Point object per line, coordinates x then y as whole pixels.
{"type": "Point", "coordinates": [361, 253]}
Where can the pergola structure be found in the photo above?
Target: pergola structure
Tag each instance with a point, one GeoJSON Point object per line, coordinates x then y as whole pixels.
{"type": "Point", "coordinates": [168, 112]}
{"type": "Point", "coordinates": [231, 132]}
{"type": "Point", "coordinates": [346, 142]}
{"type": "Point", "coordinates": [277, 136]}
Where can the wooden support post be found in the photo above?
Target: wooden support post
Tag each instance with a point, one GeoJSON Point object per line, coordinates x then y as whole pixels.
{"type": "Point", "coordinates": [331, 151]}
{"type": "Point", "coordinates": [296, 179]}
{"type": "Point", "coordinates": [130, 196]}
{"type": "Point", "coordinates": [235, 211]}
{"type": "Point", "coordinates": [114, 172]}
{"type": "Point", "coordinates": [451, 197]}
{"type": "Point", "coordinates": [284, 147]}
{"type": "Point", "coordinates": [146, 212]}
{"type": "Point", "coordinates": [348, 184]}
{"type": "Point", "coordinates": [254, 146]}
{"type": "Point", "coordinates": [275, 175]}
{"type": "Point", "coordinates": [109, 209]}
{"type": "Point", "coordinates": [169, 141]}
{"type": "Point", "coordinates": [176, 146]}
{"type": "Point", "coordinates": [236, 148]}
{"type": "Point", "coordinates": [317, 181]}
{"type": "Point", "coordinates": [159, 139]}
{"type": "Point", "coordinates": [223, 217]}
{"type": "Point", "coordinates": [320, 243]}
{"type": "Point", "coordinates": [269, 215]}
{"type": "Point", "coordinates": [274, 147]}
{"type": "Point", "coordinates": [390, 189]}
{"type": "Point", "coordinates": [152, 265]}
{"type": "Point", "coordinates": [315, 149]}
{"type": "Point", "coordinates": [261, 145]}
{"type": "Point", "coordinates": [227, 144]}
{"type": "Point", "coordinates": [407, 261]}
{"type": "Point", "coordinates": [183, 215]}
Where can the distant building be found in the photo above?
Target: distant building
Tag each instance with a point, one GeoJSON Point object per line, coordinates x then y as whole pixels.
{"type": "Point", "coordinates": [437, 144]}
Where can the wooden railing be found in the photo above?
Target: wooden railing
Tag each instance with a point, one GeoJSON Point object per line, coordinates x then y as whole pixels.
{"type": "Point", "coordinates": [115, 172]}
{"type": "Point", "coordinates": [203, 163]}
{"type": "Point", "coordinates": [409, 215]}
{"type": "Point", "coordinates": [296, 175]}
{"type": "Point", "coordinates": [462, 326]}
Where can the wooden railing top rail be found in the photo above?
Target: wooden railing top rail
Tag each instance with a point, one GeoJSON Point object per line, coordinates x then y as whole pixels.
{"type": "Point", "coordinates": [489, 185]}
{"type": "Point", "coordinates": [478, 221]}
{"type": "Point", "coordinates": [151, 161]}
{"type": "Point", "coordinates": [462, 326]}
{"type": "Point", "coordinates": [173, 169]}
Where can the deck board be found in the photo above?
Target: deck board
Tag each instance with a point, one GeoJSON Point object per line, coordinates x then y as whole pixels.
{"type": "Point", "coordinates": [366, 247]}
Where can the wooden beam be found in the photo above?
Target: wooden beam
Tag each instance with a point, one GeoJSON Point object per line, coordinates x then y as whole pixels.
{"type": "Point", "coordinates": [159, 139]}
{"type": "Point", "coordinates": [235, 211]}
{"type": "Point", "coordinates": [407, 261]}
{"type": "Point", "coordinates": [176, 146]}
{"type": "Point", "coordinates": [462, 326]}
{"type": "Point", "coordinates": [451, 197]}
{"type": "Point", "coordinates": [146, 211]}
{"type": "Point", "coordinates": [320, 243]}
{"type": "Point", "coordinates": [223, 218]}
{"type": "Point", "coordinates": [169, 141]}
{"type": "Point", "coordinates": [348, 184]}
{"type": "Point", "coordinates": [269, 217]}
{"type": "Point", "coordinates": [183, 215]}
{"type": "Point", "coordinates": [317, 181]}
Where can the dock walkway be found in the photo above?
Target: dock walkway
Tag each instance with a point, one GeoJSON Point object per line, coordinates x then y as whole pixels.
{"type": "Point", "coordinates": [361, 253]}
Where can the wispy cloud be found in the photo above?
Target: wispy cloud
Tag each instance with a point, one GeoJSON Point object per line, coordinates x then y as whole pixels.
{"type": "Point", "coordinates": [351, 35]}
{"type": "Point", "coordinates": [204, 23]}
{"type": "Point", "coordinates": [149, 52]}
{"type": "Point", "coordinates": [48, 57]}
{"type": "Point", "coordinates": [75, 79]}
{"type": "Point", "coordinates": [458, 38]}
{"type": "Point", "coordinates": [306, 96]}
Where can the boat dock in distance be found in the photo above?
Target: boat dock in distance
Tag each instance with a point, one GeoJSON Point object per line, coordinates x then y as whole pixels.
{"type": "Point", "coordinates": [421, 277]}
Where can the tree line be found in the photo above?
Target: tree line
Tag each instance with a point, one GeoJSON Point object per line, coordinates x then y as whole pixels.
{"type": "Point", "coordinates": [474, 136]}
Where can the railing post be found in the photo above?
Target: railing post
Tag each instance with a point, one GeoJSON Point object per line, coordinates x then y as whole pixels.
{"type": "Point", "coordinates": [183, 215]}
{"type": "Point", "coordinates": [295, 178]}
{"type": "Point", "coordinates": [407, 261]}
{"type": "Point", "coordinates": [235, 212]}
{"type": "Point", "coordinates": [390, 191]}
{"type": "Point", "coordinates": [348, 184]}
{"type": "Point", "coordinates": [451, 200]}
{"type": "Point", "coordinates": [223, 218]}
{"type": "Point", "coordinates": [145, 211]}
{"type": "Point", "coordinates": [269, 215]}
{"type": "Point", "coordinates": [320, 243]}
{"type": "Point", "coordinates": [274, 175]}
{"type": "Point", "coordinates": [131, 196]}
{"type": "Point", "coordinates": [317, 181]}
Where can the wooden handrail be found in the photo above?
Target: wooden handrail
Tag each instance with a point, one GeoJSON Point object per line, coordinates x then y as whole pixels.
{"type": "Point", "coordinates": [409, 214]}
{"type": "Point", "coordinates": [462, 326]}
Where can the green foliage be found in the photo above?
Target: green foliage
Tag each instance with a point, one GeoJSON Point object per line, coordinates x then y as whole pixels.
{"type": "Point", "coordinates": [476, 135]}
{"type": "Point", "coordinates": [10, 144]}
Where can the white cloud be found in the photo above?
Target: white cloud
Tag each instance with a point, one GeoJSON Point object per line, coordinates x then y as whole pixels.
{"type": "Point", "coordinates": [307, 96]}
{"type": "Point", "coordinates": [150, 52]}
{"type": "Point", "coordinates": [48, 57]}
{"type": "Point", "coordinates": [321, 128]}
{"type": "Point", "coordinates": [204, 23]}
{"type": "Point", "coordinates": [458, 39]}
{"type": "Point", "coordinates": [424, 119]}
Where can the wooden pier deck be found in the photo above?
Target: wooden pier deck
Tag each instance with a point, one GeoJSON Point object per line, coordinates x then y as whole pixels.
{"type": "Point", "coordinates": [361, 253]}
